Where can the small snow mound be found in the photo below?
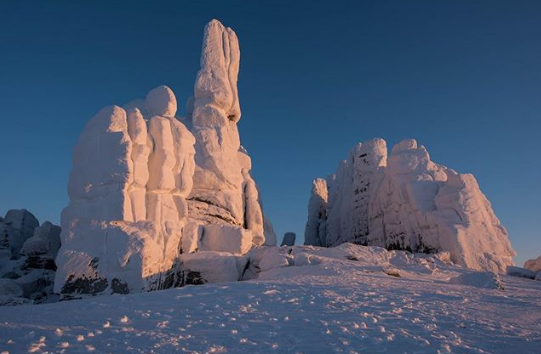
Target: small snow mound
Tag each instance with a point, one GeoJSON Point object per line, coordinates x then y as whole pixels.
{"type": "Point", "coordinates": [303, 259]}
{"type": "Point", "coordinates": [273, 258]}
{"type": "Point", "coordinates": [485, 280]}
{"type": "Point", "coordinates": [520, 272]}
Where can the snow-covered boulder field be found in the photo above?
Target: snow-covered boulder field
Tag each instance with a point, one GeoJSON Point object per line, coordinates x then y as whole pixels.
{"type": "Point", "coordinates": [302, 299]}
{"type": "Point", "coordinates": [406, 201]}
{"type": "Point", "coordinates": [27, 258]}
{"type": "Point", "coordinates": [148, 187]}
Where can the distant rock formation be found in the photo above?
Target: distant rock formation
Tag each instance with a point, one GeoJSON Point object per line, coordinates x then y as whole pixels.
{"type": "Point", "coordinates": [407, 202]}
{"type": "Point", "coordinates": [533, 264]}
{"type": "Point", "coordinates": [289, 239]}
{"type": "Point", "coordinates": [148, 187]}
{"type": "Point", "coordinates": [27, 258]}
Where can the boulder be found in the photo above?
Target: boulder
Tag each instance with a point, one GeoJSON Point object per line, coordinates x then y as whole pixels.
{"type": "Point", "coordinates": [16, 228]}
{"type": "Point", "coordinates": [533, 264]}
{"type": "Point", "coordinates": [289, 239]}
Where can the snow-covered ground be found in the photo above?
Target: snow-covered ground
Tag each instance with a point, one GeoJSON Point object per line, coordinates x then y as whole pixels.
{"type": "Point", "coordinates": [348, 299]}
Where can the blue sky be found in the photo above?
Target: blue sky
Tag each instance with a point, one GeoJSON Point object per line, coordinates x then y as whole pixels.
{"type": "Point", "coordinates": [462, 77]}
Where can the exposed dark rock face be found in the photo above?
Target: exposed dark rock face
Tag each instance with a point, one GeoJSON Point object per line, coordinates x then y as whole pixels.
{"type": "Point", "coordinates": [27, 259]}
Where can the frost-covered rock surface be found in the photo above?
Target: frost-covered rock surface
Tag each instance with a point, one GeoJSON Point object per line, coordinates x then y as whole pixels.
{"type": "Point", "coordinates": [27, 258]}
{"type": "Point", "coordinates": [148, 185]}
{"type": "Point", "coordinates": [533, 264]}
{"type": "Point", "coordinates": [223, 190]}
{"type": "Point", "coordinates": [406, 201]}
{"type": "Point", "coordinates": [346, 299]}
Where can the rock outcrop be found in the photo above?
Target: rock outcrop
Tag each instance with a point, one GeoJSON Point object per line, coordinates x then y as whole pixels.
{"type": "Point", "coordinates": [223, 191]}
{"type": "Point", "coordinates": [148, 185]}
{"type": "Point", "coordinates": [407, 202]}
{"type": "Point", "coordinates": [289, 239]}
{"type": "Point", "coordinates": [27, 258]}
{"type": "Point", "coordinates": [533, 264]}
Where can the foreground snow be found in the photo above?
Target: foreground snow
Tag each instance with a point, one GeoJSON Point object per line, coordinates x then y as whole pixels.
{"type": "Point", "coordinates": [348, 299]}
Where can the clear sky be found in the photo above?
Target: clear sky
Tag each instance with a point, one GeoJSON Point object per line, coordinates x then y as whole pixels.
{"type": "Point", "coordinates": [462, 77]}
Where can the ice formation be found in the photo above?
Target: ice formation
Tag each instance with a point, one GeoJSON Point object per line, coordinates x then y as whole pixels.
{"type": "Point", "coordinates": [408, 202]}
{"type": "Point", "coordinates": [148, 186]}
{"type": "Point", "coordinates": [27, 258]}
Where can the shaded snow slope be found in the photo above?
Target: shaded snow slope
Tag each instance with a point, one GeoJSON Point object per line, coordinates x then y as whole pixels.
{"type": "Point", "coordinates": [348, 299]}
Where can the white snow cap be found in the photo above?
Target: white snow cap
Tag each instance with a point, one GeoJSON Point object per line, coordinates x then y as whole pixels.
{"type": "Point", "coordinates": [161, 102]}
{"type": "Point", "coordinates": [407, 202]}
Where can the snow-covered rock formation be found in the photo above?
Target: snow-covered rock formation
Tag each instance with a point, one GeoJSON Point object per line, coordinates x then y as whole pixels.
{"type": "Point", "coordinates": [148, 186]}
{"type": "Point", "coordinates": [27, 258]}
{"type": "Point", "coordinates": [408, 202]}
{"type": "Point", "coordinates": [223, 190]}
{"type": "Point", "coordinates": [289, 239]}
{"type": "Point", "coordinates": [533, 264]}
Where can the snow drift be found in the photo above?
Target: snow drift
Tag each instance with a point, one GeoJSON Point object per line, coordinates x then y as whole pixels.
{"type": "Point", "coordinates": [305, 300]}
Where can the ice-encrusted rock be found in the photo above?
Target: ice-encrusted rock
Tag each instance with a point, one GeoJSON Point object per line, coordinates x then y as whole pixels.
{"type": "Point", "coordinates": [487, 280]}
{"type": "Point", "coordinates": [316, 226]}
{"type": "Point", "coordinates": [45, 241]}
{"type": "Point", "coordinates": [161, 102]}
{"type": "Point", "coordinates": [140, 196]}
{"type": "Point", "coordinates": [407, 202]}
{"type": "Point", "coordinates": [350, 194]}
{"type": "Point", "coordinates": [211, 267]}
{"type": "Point", "coordinates": [17, 226]}
{"type": "Point", "coordinates": [225, 238]}
{"type": "Point", "coordinates": [533, 264]}
{"type": "Point", "coordinates": [289, 239]}
{"type": "Point", "coordinates": [224, 191]}
{"type": "Point", "coordinates": [27, 270]}
{"type": "Point", "coordinates": [130, 178]}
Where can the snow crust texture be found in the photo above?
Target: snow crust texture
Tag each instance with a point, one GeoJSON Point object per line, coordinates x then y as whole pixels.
{"type": "Point", "coordinates": [345, 299]}
{"type": "Point", "coordinates": [406, 201]}
{"type": "Point", "coordinates": [148, 185]}
{"type": "Point", "coordinates": [27, 258]}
